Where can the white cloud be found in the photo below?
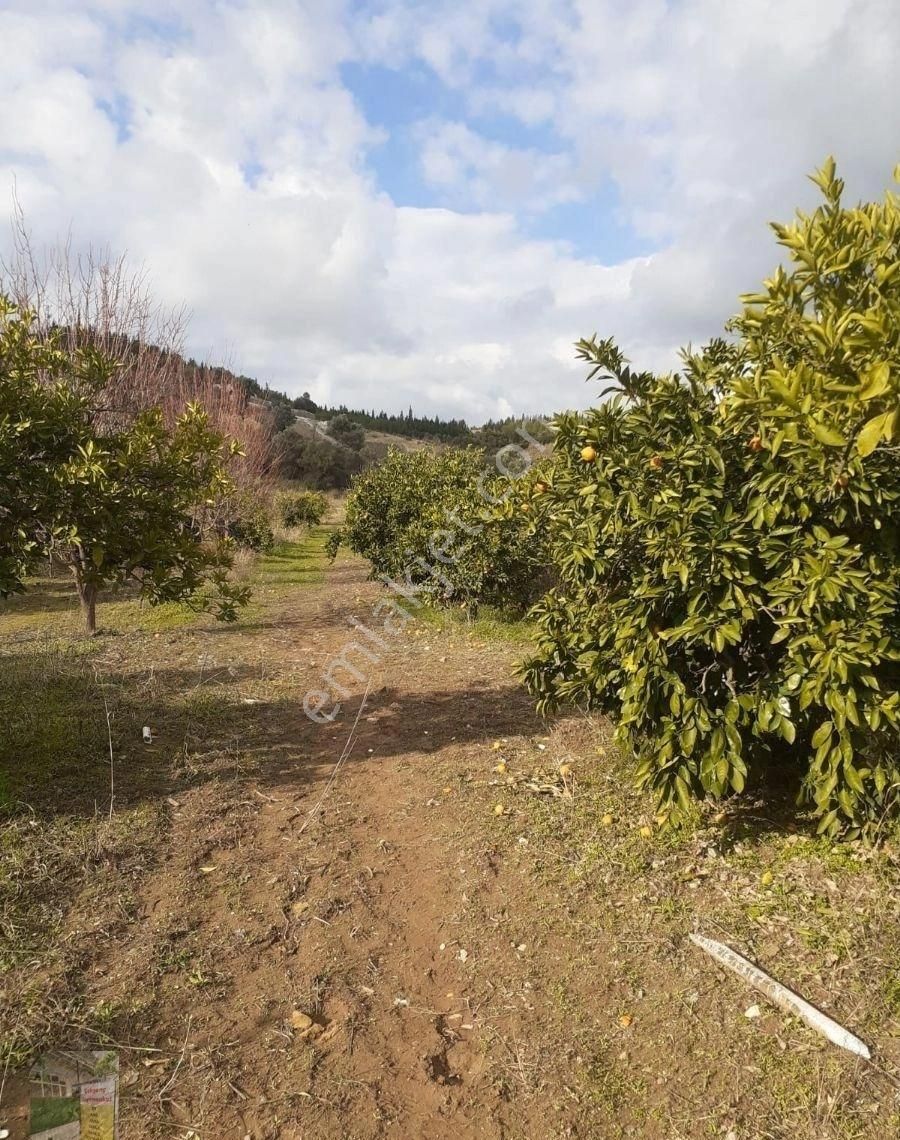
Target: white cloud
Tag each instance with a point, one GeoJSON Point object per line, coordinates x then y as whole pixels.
{"type": "Point", "coordinates": [218, 144]}
{"type": "Point", "coordinates": [472, 170]}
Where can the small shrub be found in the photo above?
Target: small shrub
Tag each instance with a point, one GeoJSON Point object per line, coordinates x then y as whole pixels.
{"type": "Point", "coordinates": [250, 527]}
{"type": "Point", "coordinates": [300, 508]}
{"type": "Point", "coordinates": [728, 540]}
{"type": "Point", "coordinates": [347, 432]}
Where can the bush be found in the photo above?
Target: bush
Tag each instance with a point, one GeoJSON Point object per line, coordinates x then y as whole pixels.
{"type": "Point", "coordinates": [249, 525]}
{"type": "Point", "coordinates": [45, 418]}
{"type": "Point", "coordinates": [300, 508]}
{"type": "Point", "coordinates": [347, 432]}
{"type": "Point", "coordinates": [423, 518]}
{"type": "Point", "coordinates": [316, 462]}
{"type": "Point", "coordinates": [727, 540]}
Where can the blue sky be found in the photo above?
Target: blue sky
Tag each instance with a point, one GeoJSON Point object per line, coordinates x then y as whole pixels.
{"type": "Point", "coordinates": [404, 101]}
{"type": "Point", "coordinates": [388, 202]}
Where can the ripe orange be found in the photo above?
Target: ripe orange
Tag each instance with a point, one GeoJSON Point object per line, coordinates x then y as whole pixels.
{"type": "Point", "coordinates": [588, 454]}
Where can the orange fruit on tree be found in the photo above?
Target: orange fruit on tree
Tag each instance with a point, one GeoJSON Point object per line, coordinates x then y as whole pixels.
{"type": "Point", "coordinates": [588, 454]}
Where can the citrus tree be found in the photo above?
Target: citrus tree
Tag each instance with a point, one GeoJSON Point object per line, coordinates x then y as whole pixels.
{"type": "Point", "coordinates": [727, 539]}
{"type": "Point", "coordinates": [132, 510]}
{"type": "Point", "coordinates": [424, 517]}
{"type": "Point", "coordinates": [44, 417]}
{"type": "Point", "coordinates": [300, 508]}
{"type": "Point", "coordinates": [113, 505]}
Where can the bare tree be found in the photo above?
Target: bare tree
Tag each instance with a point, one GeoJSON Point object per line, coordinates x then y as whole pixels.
{"type": "Point", "coordinates": [94, 298]}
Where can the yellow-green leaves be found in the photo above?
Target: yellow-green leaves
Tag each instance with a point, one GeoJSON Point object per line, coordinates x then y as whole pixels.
{"type": "Point", "coordinates": [876, 381]}
{"type": "Point", "coordinates": [730, 587]}
{"type": "Point", "coordinates": [878, 428]}
{"type": "Point", "coordinates": [827, 435]}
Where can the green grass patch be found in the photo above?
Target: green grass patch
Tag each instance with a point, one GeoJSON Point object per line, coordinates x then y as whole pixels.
{"type": "Point", "coordinates": [300, 563]}
{"type": "Point", "coordinates": [489, 624]}
{"type": "Point", "coordinates": [53, 1112]}
{"type": "Point", "coordinates": [54, 725]}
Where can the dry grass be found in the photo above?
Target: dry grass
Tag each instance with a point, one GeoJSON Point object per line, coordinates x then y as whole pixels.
{"type": "Point", "coordinates": [595, 1013]}
{"type": "Point", "coordinates": [665, 1045]}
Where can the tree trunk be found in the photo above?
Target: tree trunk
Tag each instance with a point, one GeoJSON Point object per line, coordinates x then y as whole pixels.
{"type": "Point", "coordinates": [87, 595]}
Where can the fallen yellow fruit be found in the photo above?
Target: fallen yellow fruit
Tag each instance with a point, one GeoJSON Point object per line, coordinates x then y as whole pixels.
{"type": "Point", "coordinates": [606, 820]}
{"type": "Point", "coordinates": [501, 768]}
{"type": "Point", "coordinates": [496, 746]}
{"type": "Point", "coordinates": [766, 878]}
{"type": "Point", "coordinates": [447, 791]}
{"type": "Point", "coordinates": [499, 809]}
{"type": "Point", "coordinates": [625, 1020]}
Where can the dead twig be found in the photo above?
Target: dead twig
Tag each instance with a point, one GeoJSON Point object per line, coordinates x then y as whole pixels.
{"type": "Point", "coordinates": [178, 1063]}
{"type": "Point", "coordinates": [345, 752]}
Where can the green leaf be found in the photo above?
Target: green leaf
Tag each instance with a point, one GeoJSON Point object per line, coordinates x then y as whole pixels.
{"type": "Point", "coordinates": [826, 435]}
{"type": "Point", "coordinates": [877, 381]}
{"type": "Point", "coordinates": [870, 435]}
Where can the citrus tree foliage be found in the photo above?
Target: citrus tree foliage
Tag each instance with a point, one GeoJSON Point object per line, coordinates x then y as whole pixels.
{"type": "Point", "coordinates": [245, 519]}
{"type": "Point", "coordinates": [728, 540]}
{"type": "Point", "coordinates": [421, 517]}
{"type": "Point", "coordinates": [114, 505]}
{"type": "Point", "coordinates": [300, 508]}
{"type": "Point", "coordinates": [44, 416]}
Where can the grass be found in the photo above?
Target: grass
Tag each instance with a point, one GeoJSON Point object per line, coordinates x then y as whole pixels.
{"type": "Point", "coordinates": [53, 1112]}
{"type": "Point", "coordinates": [827, 924]}
{"type": "Point", "coordinates": [295, 563]}
{"type": "Point", "coordinates": [489, 624]}
{"type": "Point", "coordinates": [73, 841]}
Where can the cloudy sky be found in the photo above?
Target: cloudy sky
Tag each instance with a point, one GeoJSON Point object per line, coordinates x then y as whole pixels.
{"type": "Point", "coordinates": [388, 202]}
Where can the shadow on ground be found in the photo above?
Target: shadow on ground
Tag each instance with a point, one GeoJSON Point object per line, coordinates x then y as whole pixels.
{"type": "Point", "coordinates": [61, 721]}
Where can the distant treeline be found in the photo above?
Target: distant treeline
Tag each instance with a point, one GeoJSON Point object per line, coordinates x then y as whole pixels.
{"type": "Point", "coordinates": [408, 425]}
{"type": "Point", "coordinates": [492, 435]}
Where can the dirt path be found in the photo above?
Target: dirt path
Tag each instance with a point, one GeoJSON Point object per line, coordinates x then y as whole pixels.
{"type": "Point", "coordinates": [287, 947]}
{"type": "Point", "coordinates": [354, 896]}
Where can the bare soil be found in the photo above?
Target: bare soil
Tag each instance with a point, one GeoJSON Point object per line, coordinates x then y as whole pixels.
{"type": "Point", "coordinates": [297, 931]}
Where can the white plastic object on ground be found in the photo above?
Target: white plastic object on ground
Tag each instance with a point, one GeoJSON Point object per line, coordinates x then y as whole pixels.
{"type": "Point", "coordinates": [782, 996]}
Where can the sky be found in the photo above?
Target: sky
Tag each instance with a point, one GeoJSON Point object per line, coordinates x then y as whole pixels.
{"type": "Point", "coordinates": [426, 202]}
